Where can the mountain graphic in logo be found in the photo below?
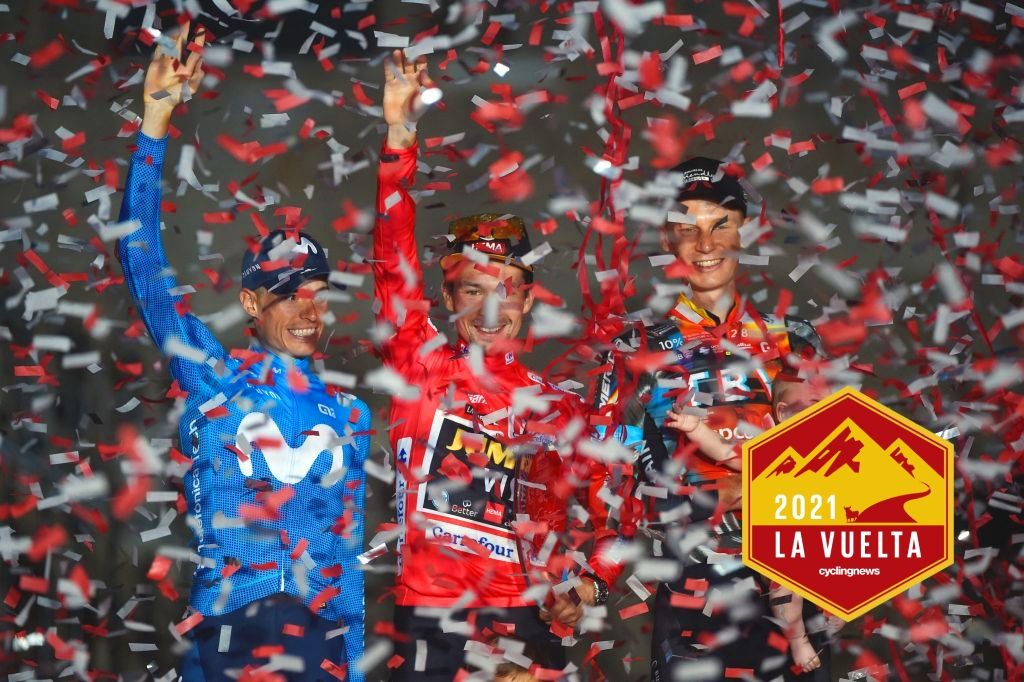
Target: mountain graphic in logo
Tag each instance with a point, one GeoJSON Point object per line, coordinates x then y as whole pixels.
{"type": "Point", "coordinates": [287, 464]}
{"type": "Point", "coordinates": [870, 484]}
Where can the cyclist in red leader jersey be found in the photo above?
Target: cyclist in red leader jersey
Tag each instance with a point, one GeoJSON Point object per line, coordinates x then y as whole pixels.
{"type": "Point", "coordinates": [456, 439]}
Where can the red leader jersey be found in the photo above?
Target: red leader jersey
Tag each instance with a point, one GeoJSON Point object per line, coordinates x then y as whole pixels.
{"type": "Point", "coordinates": [454, 441]}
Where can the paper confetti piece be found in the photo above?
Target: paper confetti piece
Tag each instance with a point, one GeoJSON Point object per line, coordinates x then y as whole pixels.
{"type": "Point", "coordinates": [897, 119]}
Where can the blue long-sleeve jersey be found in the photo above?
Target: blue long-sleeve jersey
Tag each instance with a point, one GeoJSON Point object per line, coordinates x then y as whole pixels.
{"type": "Point", "coordinates": [276, 489]}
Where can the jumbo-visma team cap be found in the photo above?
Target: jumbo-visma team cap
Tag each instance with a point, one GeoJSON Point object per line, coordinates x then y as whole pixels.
{"type": "Point", "coordinates": [501, 237]}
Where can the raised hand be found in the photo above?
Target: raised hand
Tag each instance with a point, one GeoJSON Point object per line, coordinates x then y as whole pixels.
{"type": "Point", "coordinates": [404, 82]}
{"type": "Point", "coordinates": [166, 78]}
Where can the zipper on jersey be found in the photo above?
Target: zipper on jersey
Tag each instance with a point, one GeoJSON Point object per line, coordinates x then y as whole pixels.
{"type": "Point", "coordinates": [287, 391]}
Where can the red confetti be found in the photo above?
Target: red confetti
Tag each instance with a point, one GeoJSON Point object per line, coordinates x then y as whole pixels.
{"type": "Point", "coordinates": [325, 595]}
{"type": "Point", "coordinates": [293, 630]}
{"type": "Point", "coordinates": [51, 102]}
{"type": "Point", "coordinates": [911, 90]}
{"type": "Point", "coordinates": [634, 610]}
{"type": "Point", "coordinates": [45, 540]}
{"type": "Point", "coordinates": [338, 672]}
{"type": "Point", "coordinates": [827, 185]}
{"type": "Point", "coordinates": [47, 54]}
{"type": "Point", "coordinates": [32, 583]}
{"type": "Point", "coordinates": [707, 55]}
{"type": "Point", "coordinates": [491, 33]}
{"type": "Point", "coordinates": [159, 568]}
{"type": "Point", "coordinates": [679, 20]}
{"type": "Point", "coordinates": [300, 548]}
{"type": "Point", "coordinates": [249, 152]}
{"type": "Point", "coordinates": [762, 162]}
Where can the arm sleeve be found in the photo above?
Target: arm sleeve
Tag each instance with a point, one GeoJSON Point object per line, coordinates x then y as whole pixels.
{"type": "Point", "coordinates": [605, 537]}
{"type": "Point", "coordinates": [397, 273]}
{"type": "Point", "coordinates": [179, 334]}
{"type": "Point", "coordinates": [618, 398]}
{"type": "Point", "coordinates": [596, 484]}
{"type": "Point", "coordinates": [354, 612]}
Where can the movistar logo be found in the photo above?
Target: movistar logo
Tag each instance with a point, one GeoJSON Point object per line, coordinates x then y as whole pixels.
{"type": "Point", "coordinates": [287, 464]}
{"type": "Point", "coordinates": [304, 246]}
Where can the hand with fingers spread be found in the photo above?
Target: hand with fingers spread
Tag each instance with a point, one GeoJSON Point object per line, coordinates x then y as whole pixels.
{"type": "Point", "coordinates": [168, 76]}
{"type": "Point", "coordinates": [404, 82]}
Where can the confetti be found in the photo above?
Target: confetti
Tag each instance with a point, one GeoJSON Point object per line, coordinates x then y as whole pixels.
{"type": "Point", "coordinates": [878, 147]}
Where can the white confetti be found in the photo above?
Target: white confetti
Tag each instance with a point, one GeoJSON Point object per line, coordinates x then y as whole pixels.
{"type": "Point", "coordinates": [915, 22]}
{"type": "Point", "coordinates": [388, 381]}
{"type": "Point", "coordinates": [390, 39]}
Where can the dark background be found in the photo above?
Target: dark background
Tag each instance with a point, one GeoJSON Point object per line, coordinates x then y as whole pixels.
{"type": "Point", "coordinates": [955, 379]}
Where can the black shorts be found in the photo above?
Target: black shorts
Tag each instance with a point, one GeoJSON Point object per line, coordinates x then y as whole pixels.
{"type": "Point", "coordinates": [431, 655]}
{"type": "Point", "coordinates": [216, 650]}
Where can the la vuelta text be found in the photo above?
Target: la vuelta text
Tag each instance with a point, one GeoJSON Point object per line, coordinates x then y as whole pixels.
{"type": "Point", "coordinates": [848, 544]}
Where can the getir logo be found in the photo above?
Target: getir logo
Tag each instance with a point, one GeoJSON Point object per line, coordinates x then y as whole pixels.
{"type": "Point", "coordinates": [848, 503]}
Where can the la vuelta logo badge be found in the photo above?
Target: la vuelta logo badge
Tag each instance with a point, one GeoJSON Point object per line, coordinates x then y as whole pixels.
{"type": "Point", "coordinates": [848, 503]}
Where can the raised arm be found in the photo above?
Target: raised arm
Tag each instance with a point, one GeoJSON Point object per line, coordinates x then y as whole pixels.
{"type": "Point", "coordinates": [146, 270]}
{"type": "Point", "coordinates": [398, 275]}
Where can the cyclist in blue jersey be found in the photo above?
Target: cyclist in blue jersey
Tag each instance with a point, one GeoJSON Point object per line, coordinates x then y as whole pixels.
{"type": "Point", "coordinates": [276, 487]}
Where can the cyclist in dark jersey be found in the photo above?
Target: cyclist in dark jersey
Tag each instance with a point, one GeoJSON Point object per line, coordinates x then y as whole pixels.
{"type": "Point", "coordinates": [721, 357]}
{"type": "Point", "coordinates": [275, 490]}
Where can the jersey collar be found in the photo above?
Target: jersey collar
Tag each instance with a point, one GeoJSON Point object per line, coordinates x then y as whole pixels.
{"type": "Point", "coordinates": [688, 311]}
{"type": "Point", "coordinates": [492, 361]}
{"type": "Point", "coordinates": [281, 360]}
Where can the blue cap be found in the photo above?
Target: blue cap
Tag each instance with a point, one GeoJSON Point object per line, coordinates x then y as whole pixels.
{"type": "Point", "coordinates": [299, 258]}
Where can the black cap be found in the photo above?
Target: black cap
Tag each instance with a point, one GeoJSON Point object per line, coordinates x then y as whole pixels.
{"type": "Point", "coordinates": [503, 238]}
{"type": "Point", "coordinates": [704, 178]}
{"type": "Point", "coordinates": [284, 261]}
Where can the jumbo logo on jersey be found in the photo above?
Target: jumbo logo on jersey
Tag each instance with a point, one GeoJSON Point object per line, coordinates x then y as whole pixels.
{"type": "Point", "coordinates": [457, 447]}
{"type": "Point", "coordinates": [287, 464]}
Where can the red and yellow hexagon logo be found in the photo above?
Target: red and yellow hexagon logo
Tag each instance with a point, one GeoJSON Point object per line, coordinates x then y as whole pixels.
{"type": "Point", "coordinates": [848, 503]}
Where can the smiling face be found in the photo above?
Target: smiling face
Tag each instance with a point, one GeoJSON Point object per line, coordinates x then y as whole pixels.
{"type": "Point", "coordinates": [708, 246]}
{"type": "Point", "coordinates": [466, 295]}
{"type": "Point", "coordinates": [290, 325]}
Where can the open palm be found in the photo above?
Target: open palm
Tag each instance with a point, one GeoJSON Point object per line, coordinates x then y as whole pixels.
{"type": "Point", "coordinates": [403, 81]}
{"type": "Point", "coordinates": [168, 73]}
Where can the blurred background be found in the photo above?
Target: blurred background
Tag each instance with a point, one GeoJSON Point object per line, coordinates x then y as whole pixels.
{"type": "Point", "coordinates": [882, 160]}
